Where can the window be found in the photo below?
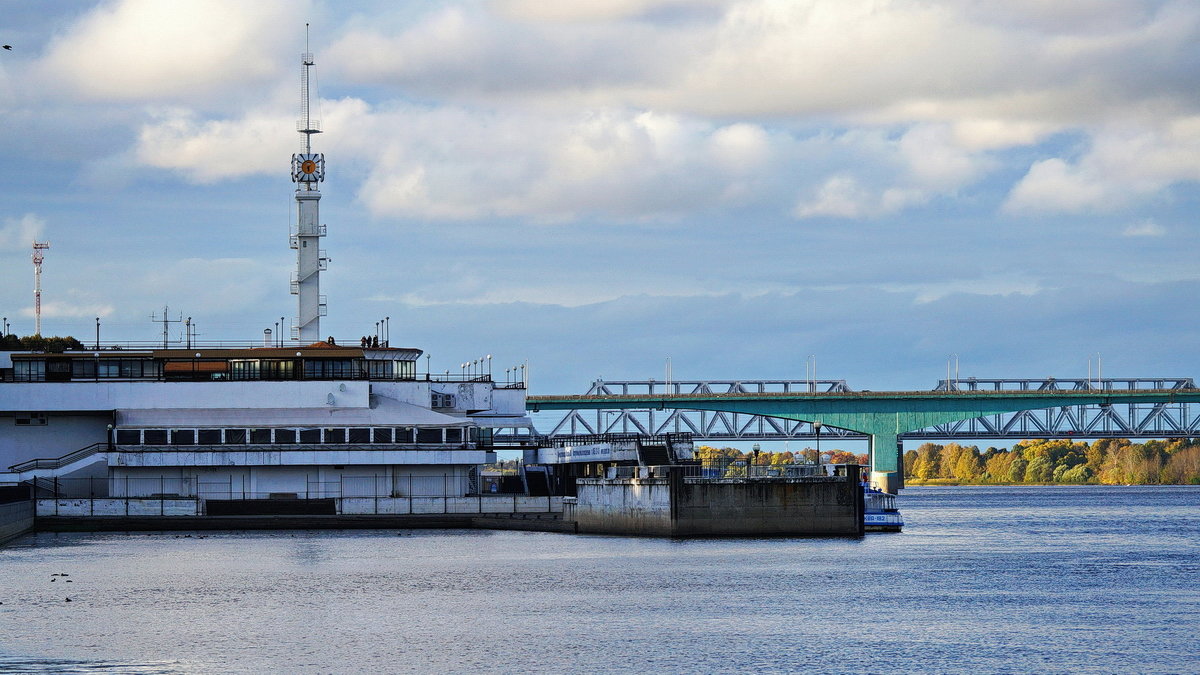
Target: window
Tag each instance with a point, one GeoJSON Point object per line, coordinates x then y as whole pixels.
{"type": "Point", "coordinates": [210, 436]}
{"type": "Point", "coordinates": [235, 436]}
{"type": "Point", "coordinates": [129, 436]}
{"type": "Point", "coordinates": [404, 435]}
{"type": "Point", "coordinates": [310, 435]}
{"type": "Point", "coordinates": [454, 435]}
{"type": "Point", "coordinates": [260, 436]}
{"type": "Point", "coordinates": [335, 435]}
{"type": "Point", "coordinates": [360, 435]}
{"type": "Point", "coordinates": [429, 435]}
{"type": "Point", "coordinates": [276, 370]}
{"type": "Point", "coordinates": [155, 436]}
{"type": "Point", "coordinates": [32, 419]}
{"type": "Point", "coordinates": [183, 437]}
{"type": "Point", "coordinates": [81, 368]}
{"type": "Point", "coordinates": [329, 369]}
{"type": "Point", "coordinates": [29, 371]}
{"type": "Point", "coordinates": [128, 368]}
{"type": "Point", "coordinates": [243, 369]}
{"type": "Point", "coordinates": [406, 370]}
{"type": "Point", "coordinates": [383, 435]}
{"type": "Point", "coordinates": [379, 370]}
{"type": "Point", "coordinates": [285, 436]}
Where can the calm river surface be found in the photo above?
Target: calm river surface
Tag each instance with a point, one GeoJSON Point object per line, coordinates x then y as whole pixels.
{"type": "Point", "coordinates": [984, 579]}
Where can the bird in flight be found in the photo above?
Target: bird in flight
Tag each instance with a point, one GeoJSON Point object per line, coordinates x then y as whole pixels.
{"type": "Point", "coordinates": [8, 47]}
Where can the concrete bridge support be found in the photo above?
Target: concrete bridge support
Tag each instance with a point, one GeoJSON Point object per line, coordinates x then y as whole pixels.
{"type": "Point", "coordinates": [887, 462]}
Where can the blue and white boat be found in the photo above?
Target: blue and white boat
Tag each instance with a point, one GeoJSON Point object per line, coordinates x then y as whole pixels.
{"type": "Point", "coordinates": [879, 511]}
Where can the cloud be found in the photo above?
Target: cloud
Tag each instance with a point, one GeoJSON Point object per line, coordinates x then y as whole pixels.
{"type": "Point", "coordinates": [884, 175]}
{"type": "Point", "coordinates": [608, 10]}
{"type": "Point", "coordinates": [1144, 228]}
{"type": "Point", "coordinates": [146, 49]}
{"type": "Point", "coordinates": [213, 150]}
{"type": "Point", "coordinates": [1122, 165]}
{"type": "Point", "coordinates": [68, 309]}
{"type": "Point", "coordinates": [18, 234]}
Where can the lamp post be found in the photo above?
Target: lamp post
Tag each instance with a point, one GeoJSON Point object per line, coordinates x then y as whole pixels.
{"type": "Point", "coordinates": [756, 449]}
{"type": "Point", "coordinates": [817, 427]}
{"type": "Point", "coordinates": [282, 324]}
{"type": "Point", "coordinates": [97, 332]}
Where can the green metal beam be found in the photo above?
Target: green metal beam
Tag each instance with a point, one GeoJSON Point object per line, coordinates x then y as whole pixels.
{"type": "Point", "coordinates": [883, 415]}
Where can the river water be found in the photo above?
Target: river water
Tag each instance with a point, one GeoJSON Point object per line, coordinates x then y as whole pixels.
{"type": "Point", "coordinates": [983, 579]}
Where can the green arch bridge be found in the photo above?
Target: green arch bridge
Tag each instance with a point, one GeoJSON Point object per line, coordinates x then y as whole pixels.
{"type": "Point", "coordinates": [883, 415]}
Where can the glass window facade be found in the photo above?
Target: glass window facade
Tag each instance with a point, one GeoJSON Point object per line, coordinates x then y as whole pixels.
{"type": "Point", "coordinates": [332, 435]}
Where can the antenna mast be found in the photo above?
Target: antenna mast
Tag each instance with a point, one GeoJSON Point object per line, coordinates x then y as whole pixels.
{"type": "Point", "coordinates": [308, 170]}
{"type": "Point", "coordinates": [166, 322]}
{"type": "Point", "coordinates": [38, 247]}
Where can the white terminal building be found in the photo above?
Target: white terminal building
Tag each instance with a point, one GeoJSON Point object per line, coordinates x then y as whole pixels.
{"type": "Point", "coordinates": [302, 419]}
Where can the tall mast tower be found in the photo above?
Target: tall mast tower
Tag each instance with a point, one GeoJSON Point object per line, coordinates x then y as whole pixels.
{"type": "Point", "coordinates": [38, 247]}
{"type": "Point", "coordinates": [308, 169]}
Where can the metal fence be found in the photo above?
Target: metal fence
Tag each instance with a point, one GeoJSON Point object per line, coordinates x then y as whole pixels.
{"type": "Point", "coordinates": [726, 468]}
{"type": "Point", "coordinates": [359, 495]}
{"type": "Point", "coordinates": [239, 487]}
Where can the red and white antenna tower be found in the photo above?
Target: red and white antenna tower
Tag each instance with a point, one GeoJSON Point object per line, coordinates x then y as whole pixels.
{"type": "Point", "coordinates": [38, 247]}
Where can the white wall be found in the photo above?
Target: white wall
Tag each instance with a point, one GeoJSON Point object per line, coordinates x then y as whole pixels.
{"type": "Point", "coordinates": [72, 396]}
{"type": "Point", "coordinates": [61, 434]}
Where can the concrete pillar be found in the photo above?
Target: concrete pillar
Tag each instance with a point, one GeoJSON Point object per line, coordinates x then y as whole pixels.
{"type": "Point", "coordinates": [887, 462]}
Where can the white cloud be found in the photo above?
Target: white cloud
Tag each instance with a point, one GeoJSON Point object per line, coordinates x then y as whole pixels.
{"type": "Point", "coordinates": [209, 151]}
{"type": "Point", "coordinates": [1144, 228]}
{"type": "Point", "coordinates": [68, 309]}
{"type": "Point", "coordinates": [148, 49]}
{"type": "Point", "coordinates": [884, 176]}
{"type": "Point", "coordinates": [18, 234]}
{"type": "Point", "coordinates": [1122, 166]}
{"type": "Point", "coordinates": [598, 10]}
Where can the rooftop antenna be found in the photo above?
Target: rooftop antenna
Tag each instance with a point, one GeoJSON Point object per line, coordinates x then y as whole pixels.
{"type": "Point", "coordinates": [38, 247]}
{"type": "Point", "coordinates": [308, 169]}
{"type": "Point", "coordinates": [166, 323]}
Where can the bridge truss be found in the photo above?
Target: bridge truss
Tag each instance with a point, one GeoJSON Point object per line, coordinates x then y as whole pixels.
{"type": "Point", "coordinates": [1135, 420]}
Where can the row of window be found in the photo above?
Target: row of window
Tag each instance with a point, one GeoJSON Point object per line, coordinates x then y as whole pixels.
{"type": "Point", "coordinates": [35, 370]}
{"type": "Point", "coordinates": [335, 435]}
{"type": "Point", "coordinates": [38, 371]}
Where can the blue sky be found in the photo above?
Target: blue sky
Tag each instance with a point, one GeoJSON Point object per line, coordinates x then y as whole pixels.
{"type": "Point", "coordinates": [595, 186]}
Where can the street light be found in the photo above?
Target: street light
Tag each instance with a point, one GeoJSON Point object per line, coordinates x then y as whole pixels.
{"type": "Point", "coordinates": [757, 449]}
{"type": "Point", "coordinates": [817, 428]}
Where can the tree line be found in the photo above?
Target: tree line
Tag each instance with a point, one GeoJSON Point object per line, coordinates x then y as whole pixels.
{"type": "Point", "coordinates": [709, 455]}
{"type": "Point", "coordinates": [1109, 461]}
{"type": "Point", "coordinates": [37, 343]}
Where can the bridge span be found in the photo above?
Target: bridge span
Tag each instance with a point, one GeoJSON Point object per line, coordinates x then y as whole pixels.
{"type": "Point", "coordinates": [884, 418]}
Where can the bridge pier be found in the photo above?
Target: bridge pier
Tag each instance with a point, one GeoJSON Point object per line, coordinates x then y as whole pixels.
{"type": "Point", "coordinates": [887, 462]}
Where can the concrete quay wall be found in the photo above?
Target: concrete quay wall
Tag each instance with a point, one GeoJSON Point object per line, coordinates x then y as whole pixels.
{"type": "Point", "coordinates": [117, 507]}
{"type": "Point", "coordinates": [527, 522]}
{"type": "Point", "coordinates": [16, 518]}
{"type": "Point", "coordinates": [679, 507]}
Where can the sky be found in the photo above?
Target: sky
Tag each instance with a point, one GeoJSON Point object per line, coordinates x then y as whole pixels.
{"type": "Point", "coordinates": [593, 187]}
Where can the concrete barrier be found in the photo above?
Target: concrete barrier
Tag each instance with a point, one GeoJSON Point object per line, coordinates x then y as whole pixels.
{"type": "Point", "coordinates": [116, 507]}
{"type": "Point", "coordinates": [16, 518]}
{"type": "Point", "coordinates": [678, 507]}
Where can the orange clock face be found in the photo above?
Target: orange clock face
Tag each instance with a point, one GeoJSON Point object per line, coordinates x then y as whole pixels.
{"type": "Point", "coordinates": [308, 166]}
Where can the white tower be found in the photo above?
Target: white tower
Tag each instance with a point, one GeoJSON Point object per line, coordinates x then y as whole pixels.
{"type": "Point", "coordinates": [38, 247]}
{"type": "Point", "coordinates": [308, 169]}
